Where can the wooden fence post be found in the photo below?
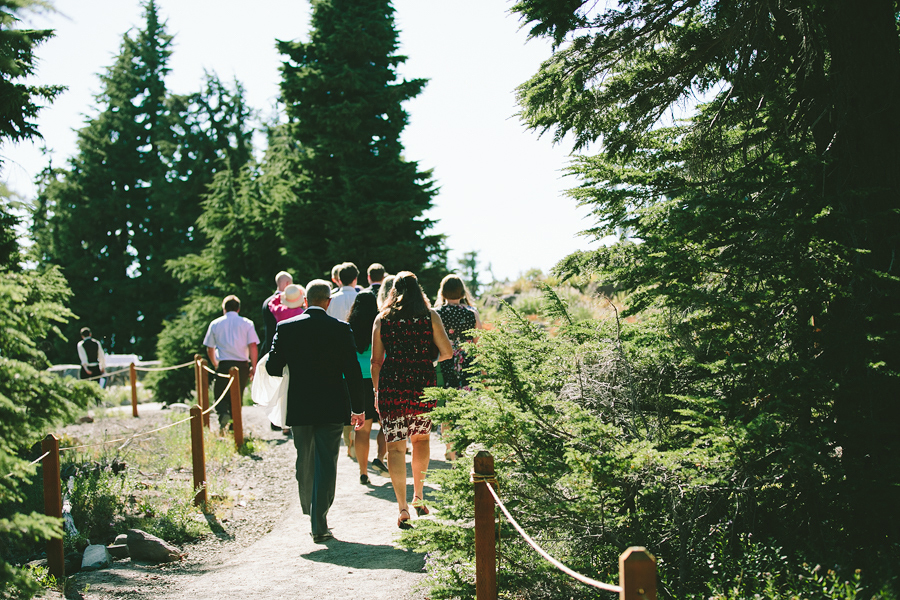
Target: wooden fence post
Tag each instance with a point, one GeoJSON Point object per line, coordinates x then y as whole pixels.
{"type": "Point", "coordinates": [132, 373]}
{"type": "Point", "coordinates": [236, 404]}
{"type": "Point", "coordinates": [637, 574]}
{"type": "Point", "coordinates": [485, 532]}
{"type": "Point", "coordinates": [204, 391]}
{"type": "Point", "coordinates": [56, 562]}
{"type": "Point", "coordinates": [198, 457]}
{"type": "Point", "coordinates": [197, 376]}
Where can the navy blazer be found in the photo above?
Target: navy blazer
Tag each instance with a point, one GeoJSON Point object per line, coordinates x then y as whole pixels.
{"type": "Point", "coordinates": [325, 378]}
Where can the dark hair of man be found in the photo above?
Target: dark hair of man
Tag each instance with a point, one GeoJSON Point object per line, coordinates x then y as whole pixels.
{"type": "Point", "coordinates": [362, 316]}
{"type": "Point", "coordinates": [375, 272]}
{"type": "Point", "coordinates": [407, 300]}
{"type": "Point", "coordinates": [85, 332]}
{"type": "Point", "coordinates": [453, 288]}
{"type": "Point", "coordinates": [231, 303]}
{"type": "Point", "coordinates": [348, 273]}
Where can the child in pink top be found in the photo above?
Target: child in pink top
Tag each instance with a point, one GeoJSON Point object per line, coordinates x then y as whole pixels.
{"type": "Point", "coordinates": [288, 304]}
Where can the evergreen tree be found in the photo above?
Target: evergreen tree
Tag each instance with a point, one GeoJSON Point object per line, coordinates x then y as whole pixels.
{"type": "Point", "coordinates": [242, 254]}
{"type": "Point", "coordinates": [767, 223]}
{"type": "Point", "coordinates": [31, 309]}
{"type": "Point", "coordinates": [358, 200]}
{"type": "Point", "coordinates": [130, 198]}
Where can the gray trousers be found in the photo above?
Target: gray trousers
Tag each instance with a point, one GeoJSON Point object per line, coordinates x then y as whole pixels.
{"type": "Point", "coordinates": [317, 456]}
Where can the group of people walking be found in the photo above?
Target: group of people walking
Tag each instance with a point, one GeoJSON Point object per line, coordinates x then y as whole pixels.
{"type": "Point", "coordinates": [359, 356]}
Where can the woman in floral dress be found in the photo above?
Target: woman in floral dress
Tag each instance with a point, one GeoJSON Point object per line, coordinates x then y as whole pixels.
{"type": "Point", "coordinates": [407, 337]}
{"type": "Point", "coordinates": [460, 317]}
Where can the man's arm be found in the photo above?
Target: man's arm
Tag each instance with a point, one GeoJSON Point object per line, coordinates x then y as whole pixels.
{"type": "Point", "coordinates": [82, 356]}
{"type": "Point", "coordinates": [253, 355]}
{"type": "Point", "coordinates": [211, 352]}
{"type": "Point", "coordinates": [101, 358]}
{"type": "Point", "coordinates": [275, 363]}
{"type": "Point", "coordinates": [353, 377]}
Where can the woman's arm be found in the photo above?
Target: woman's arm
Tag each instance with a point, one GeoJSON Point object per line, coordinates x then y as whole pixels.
{"type": "Point", "coordinates": [377, 353]}
{"type": "Point", "coordinates": [441, 340]}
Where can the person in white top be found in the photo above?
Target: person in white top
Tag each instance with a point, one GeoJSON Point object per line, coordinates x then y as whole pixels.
{"type": "Point", "coordinates": [342, 300]}
{"type": "Point", "coordinates": [91, 356]}
{"type": "Point", "coordinates": [231, 341]}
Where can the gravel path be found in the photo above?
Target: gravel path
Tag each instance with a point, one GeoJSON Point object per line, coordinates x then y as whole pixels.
{"type": "Point", "coordinates": [261, 547]}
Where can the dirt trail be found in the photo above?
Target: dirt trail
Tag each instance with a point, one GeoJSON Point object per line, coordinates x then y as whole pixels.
{"type": "Point", "coordinates": [362, 561]}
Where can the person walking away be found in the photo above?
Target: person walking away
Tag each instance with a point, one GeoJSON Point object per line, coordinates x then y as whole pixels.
{"type": "Point", "coordinates": [403, 338]}
{"type": "Point", "coordinates": [231, 341]}
{"type": "Point", "coordinates": [341, 301]}
{"type": "Point", "coordinates": [361, 319]}
{"type": "Point", "coordinates": [282, 280]}
{"type": "Point", "coordinates": [460, 317]}
{"type": "Point", "coordinates": [375, 274]}
{"type": "Point", "coordinates": [325, 389]}
{"type": "Point", "coordinates": [91, 357]}
{"type": "Point", "coordinates": [288, 304]}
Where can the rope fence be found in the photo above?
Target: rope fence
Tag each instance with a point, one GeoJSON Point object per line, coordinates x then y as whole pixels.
{"type": "Point", "coordinates": [637, 567]}
{"type": "Point", "coordinates": [199, 418]}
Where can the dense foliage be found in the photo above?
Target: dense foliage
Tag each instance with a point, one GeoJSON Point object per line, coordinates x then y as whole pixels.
{"type": "Point", "coordinates": [129, 199]}
{"type": "Point", "coordinates": [359, 199]}
{"type": "Point", "coordinates": [748, 423]}
{"type": "Point", "coordinates": [32, 307]}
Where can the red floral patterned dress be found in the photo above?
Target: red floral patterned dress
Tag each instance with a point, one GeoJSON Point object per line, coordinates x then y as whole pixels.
{"type": "Point", "coordinates": [407, 370]}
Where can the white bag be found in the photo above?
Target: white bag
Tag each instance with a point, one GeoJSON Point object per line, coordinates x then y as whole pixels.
{"type": "Point", "coordinates": [270, 392]}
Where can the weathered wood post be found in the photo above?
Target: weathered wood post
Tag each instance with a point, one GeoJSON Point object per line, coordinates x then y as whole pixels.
{"type": "Point", "coordinates": [132, 373]}
{"type": "Point", "coordinates": [637, 574]}
{"type": "Point", "coordinates": [197, 376]}
{"type": "Point", "coordinates": [56, 562]}
{"type": "Point", "coordinates": [198, 457]}
{"type": "Point", "coordinates": [236, 404]}
{"type": "Point", "coordinates": [204, 391]}
{"type": "Point", "coordinates": [485, 532]}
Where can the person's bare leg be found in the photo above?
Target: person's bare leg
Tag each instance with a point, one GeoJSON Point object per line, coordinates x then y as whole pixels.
{"type": "Point", "coordinates": [348, 441]}
{"type": "Point", "coordinates": [362, 446]}
{"type": "Point", "coordinates": [397, 469]}
{"type": "Point", "coordinates": [382, 446]}
{"type": "Point", "coordinates": [421, 454]}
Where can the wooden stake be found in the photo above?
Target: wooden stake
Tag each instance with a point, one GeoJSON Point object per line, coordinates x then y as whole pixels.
{"type": "Point", "coordinates": [198, 457]}
{"type": "Point", "coordinates": [204, 391]}
{"type": "Point", "coordinates": [637, 574]}
{"type": "Point", "coordinates": [132, 373]}
{"type": "Point", "coordinates": [56, 562]}
{"type": "Point", "coordinates": [485, 532]}
{"type": "Point", "coordinates": [236, 404]}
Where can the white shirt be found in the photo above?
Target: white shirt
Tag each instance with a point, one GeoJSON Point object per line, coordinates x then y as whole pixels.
{"type": "Point", "coordinates": [342, 302]}
{"type": "Point", "coordinates": [231, 336]}
{"type": "Point", "coordinates": [82, 354]}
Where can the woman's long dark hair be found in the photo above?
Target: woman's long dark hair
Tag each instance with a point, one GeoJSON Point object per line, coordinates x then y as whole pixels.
{"type": "Point", "coordinates": [407, 300]}
{"type": "Point", "coordinates": [362, 316]}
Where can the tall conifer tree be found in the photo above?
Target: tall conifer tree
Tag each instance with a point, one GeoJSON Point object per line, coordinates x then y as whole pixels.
{"type": "Point", "coordinates": [359, 199]}
{"type": "Point", "coordinates": [131, 196]}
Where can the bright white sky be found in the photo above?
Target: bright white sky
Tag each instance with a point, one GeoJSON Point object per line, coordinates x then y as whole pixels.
{"type": "Point", "coordinates": [500, 185]}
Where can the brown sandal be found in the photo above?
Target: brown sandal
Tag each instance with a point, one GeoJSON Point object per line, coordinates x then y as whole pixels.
{"type": "Point", "coordinates": [420, 507]}
{"type": "Point", "coordinates": [404, 523]}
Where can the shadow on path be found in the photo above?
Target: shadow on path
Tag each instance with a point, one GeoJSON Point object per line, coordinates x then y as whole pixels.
{"type": "Point", "coordinates": [367, 556]}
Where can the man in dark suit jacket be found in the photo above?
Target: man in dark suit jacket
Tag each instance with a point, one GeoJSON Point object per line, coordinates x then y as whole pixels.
{"type": "Point", "coordinates": [325, 389]}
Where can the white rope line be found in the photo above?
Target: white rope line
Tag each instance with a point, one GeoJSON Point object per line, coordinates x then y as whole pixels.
{"type": "Point", "coordinates": [126, 439]}
{"type": "Point", "coordinates": [102, 375]}
{"type": "Point", "coordinates": [216, 373]}
{"type": "Point", "coordinates": [187, 364]}
{"type": "Point", "coordinates": [219, 399]}
{"type": "Point", "coordinates": [34, 462]}
{"type": "Point", "coordinates": [587, 580]}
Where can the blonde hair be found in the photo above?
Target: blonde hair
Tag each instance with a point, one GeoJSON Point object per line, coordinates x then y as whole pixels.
{"type": "Point", "coordinates": [387, 284]}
